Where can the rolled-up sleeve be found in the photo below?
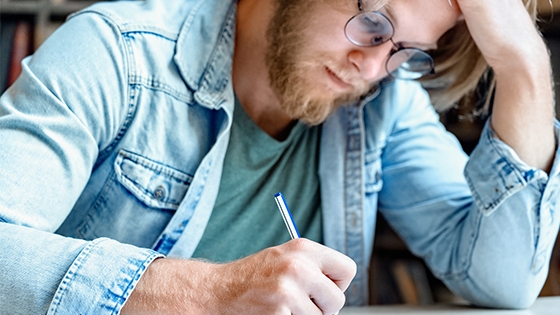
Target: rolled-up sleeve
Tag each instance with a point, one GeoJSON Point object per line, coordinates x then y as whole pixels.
{"type": "Point", "coordinates": [44, 273]}
{"type": "Point", "coordinates": [485, 223]}
{"type": "Point", "coordinates": [101, 278]}
{"type": "Point", "coordinates": [517, 227]}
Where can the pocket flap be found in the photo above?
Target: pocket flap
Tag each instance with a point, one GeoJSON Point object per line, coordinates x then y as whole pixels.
{"type": "Point", "coordinates": [155, 184]}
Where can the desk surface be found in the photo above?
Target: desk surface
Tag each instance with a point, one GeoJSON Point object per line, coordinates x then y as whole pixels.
{"type": "Point", "coordinates": [543, 306]}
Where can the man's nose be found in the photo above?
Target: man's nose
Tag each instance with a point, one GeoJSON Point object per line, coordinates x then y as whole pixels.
{"type": "Point", "coordinates": [370, 61]}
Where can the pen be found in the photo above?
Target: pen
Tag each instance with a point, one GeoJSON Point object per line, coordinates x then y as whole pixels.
{"type": "Point", "coordinates": [286, 215]}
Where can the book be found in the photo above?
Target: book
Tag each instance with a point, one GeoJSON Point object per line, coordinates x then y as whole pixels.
{"type": "Point", "coordinates": [7, 31]}
{"type": "Point", "coordinates": [21, 48]}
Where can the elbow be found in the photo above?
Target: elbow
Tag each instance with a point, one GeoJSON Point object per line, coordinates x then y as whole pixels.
{"type": "Point", "coordinates": [515, 300]}
{"type": "Point", "coordinates": [518, 293]}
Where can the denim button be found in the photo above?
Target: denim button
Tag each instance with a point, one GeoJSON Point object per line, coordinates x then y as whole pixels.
{"type": "Point", "coordinates": [159, 192]}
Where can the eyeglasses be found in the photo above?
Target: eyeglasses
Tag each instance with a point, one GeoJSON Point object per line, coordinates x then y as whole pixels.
{"type": "Point", "coordinates": [372, 28]}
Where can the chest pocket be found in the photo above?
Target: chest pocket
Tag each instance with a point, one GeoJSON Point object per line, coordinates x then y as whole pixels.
{"type": "Point", "coordinates": [373, 172]}
{"type": "Point", "coordinates": [137, 201]}
{"type": "Point", "coordinates": [155, 184]}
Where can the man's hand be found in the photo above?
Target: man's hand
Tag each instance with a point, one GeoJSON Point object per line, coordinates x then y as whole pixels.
{"type": "Point", "coordinates": [523, 112]}
{"type": "Point", "coordinates": [502, 30]}
{"type": "Point", "coordinates": [298, 277]}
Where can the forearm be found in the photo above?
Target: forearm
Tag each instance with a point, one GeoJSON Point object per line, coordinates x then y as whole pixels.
{"type": "Point", "coordinates": [171, 286]}
{"type": "Point", "coordinates": [523, 113]}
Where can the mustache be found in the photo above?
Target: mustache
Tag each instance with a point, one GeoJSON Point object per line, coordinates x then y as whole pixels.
{"type": "Point", "coordinates": [344, 73]}
{"type": "Point", "coordinates": [349, 77]}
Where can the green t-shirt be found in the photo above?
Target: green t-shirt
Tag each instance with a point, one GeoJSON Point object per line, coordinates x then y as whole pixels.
{"type": "Point", "coordinates": [245, 219]}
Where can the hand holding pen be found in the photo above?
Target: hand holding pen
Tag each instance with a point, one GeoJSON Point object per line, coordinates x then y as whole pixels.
{"type": "Point", "coordinates": [299, 277]}
{"type": "Point", "coordinates": [294, 234]}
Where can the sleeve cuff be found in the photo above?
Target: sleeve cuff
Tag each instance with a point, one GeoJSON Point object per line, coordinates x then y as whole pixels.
{"type": "Point", "coordinates": [495, 172]}
{"type": "Point", "coordinates": [101, 278]}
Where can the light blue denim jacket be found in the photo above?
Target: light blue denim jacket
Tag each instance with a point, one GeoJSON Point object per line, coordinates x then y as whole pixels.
{"type": "Point", "coordinates": [114, 137]}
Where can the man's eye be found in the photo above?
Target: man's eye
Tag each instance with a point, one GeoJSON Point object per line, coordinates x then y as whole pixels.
{"type": "Point", "coordinates": [360, 7]}
{"type": "Point", "coordinates": [373, 22]}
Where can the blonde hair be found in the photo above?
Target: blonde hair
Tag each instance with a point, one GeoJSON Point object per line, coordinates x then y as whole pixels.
{"type": "Point", "coordinates": [460, 70]}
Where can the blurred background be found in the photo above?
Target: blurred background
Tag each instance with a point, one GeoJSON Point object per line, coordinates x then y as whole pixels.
{"type": "Point", "coordinates": [397, 276]}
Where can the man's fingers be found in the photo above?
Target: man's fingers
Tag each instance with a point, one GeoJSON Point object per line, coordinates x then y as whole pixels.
{"type": "Point", "coordinates": [338, 267]}
{"type": "Point", "coordinates": [325, 273]}
{"type": "Point", "coordinates": [327, 296]}
{"type": "Point", "coordinates": [303, 305]}
{"type": "Point", "coordinates": [342, 276]}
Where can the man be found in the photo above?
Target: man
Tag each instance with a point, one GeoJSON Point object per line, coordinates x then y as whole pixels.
{"type": "Point", "coordinates": [143, 134]}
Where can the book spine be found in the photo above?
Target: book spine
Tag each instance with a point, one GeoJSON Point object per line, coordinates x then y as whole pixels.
{"type": "Point", "coordinates": [21, 48]}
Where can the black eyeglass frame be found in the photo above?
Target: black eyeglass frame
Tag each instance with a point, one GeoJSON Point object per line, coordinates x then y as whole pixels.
{"type": "Point", "coordinates": [401, 52]}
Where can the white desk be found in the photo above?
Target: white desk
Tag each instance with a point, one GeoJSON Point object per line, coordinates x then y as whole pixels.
{"type": "Point", "coordinates": [543, 306]}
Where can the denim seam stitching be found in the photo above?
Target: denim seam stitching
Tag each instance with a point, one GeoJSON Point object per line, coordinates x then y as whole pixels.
{"type": "Point", "coordinates": [132, 284]}
{"type": "Point", "coordinates": [69, 276]}
{"type": "Point", "coordinates": [130, 99]}
{"type": "Point", "coordinates": [175, 174]}
{"type": "Point", "coordinates": [95, 205]}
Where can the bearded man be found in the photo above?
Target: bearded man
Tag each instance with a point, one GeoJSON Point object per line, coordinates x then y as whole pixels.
{"type": "Point", "coordinates": [144, 141]}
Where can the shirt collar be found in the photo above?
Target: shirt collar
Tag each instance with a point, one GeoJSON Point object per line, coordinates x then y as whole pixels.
{"type": "Point", "coordinates": [205, 50]}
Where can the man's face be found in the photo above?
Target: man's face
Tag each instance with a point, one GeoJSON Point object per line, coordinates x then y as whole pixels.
{"type": "Point", "coordinates": [314, 69]}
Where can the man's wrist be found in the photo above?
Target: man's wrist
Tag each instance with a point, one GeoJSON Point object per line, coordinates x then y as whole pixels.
{"type": "Point", "coordinates": [171, 286]}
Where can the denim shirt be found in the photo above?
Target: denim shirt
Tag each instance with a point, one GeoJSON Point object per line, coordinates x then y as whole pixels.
{"type": "Point", "coordinates": [113, 140]}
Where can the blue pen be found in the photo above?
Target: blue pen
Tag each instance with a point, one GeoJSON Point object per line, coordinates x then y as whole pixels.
{"type": "Point", "coordinates": [286, 215]}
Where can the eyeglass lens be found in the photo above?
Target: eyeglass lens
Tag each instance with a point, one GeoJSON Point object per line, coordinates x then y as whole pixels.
{"type": "Point", "coordinates": [372, 28]}
{"type": "Point", "coordinates": [369, 29]}
{"type": "Point", "coordinates": [409, 63]}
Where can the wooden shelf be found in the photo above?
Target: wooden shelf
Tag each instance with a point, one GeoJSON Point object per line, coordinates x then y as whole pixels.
{"type": "Point", "coordinates": [21, 7]}
{"type": "Point", "coordinates": [41, 7]}
{"type": "Point", "coordinates": [69, 7]}
{"type": "Point", "coordinates": [46, 15]}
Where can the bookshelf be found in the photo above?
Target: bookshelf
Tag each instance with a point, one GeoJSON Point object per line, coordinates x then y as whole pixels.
{"type": "Point", "coordinates": [24, 26]}
{"type": "Point", "coordinates": [45, 15]}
